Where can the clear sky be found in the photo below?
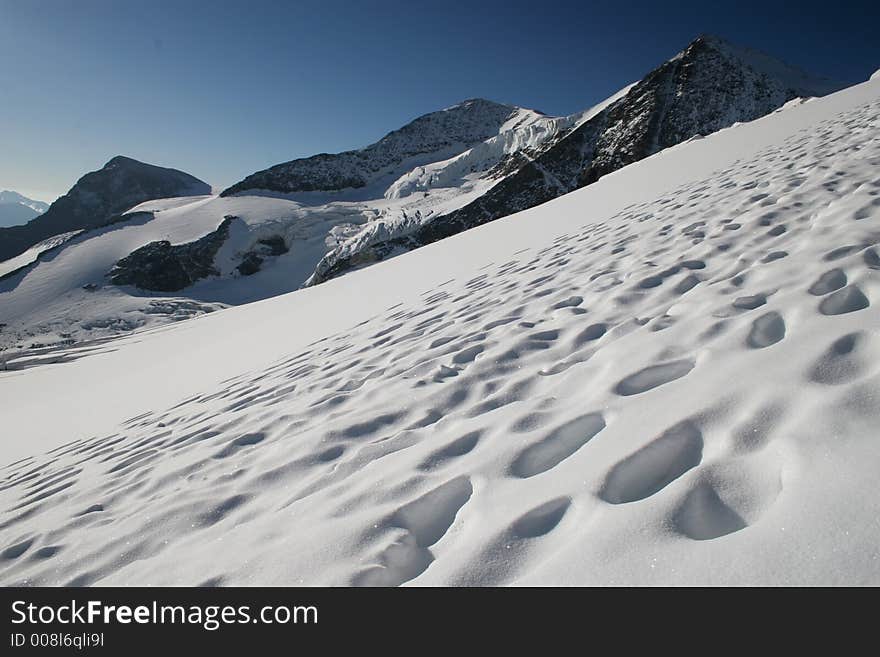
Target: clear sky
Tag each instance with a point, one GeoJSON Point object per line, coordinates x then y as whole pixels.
{"type": "Point", "coordinates": [221, 89]}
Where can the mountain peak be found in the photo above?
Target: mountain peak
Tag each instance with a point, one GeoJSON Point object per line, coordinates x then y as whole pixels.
{"type": "Point", "coordinates": [98, 196]}
{"type": "Point", "coordinates": [711, 40]}
{"type": "Point", "coordinates": [435, 136]}
{"type": "Point", "coordinates": [478, 103]}
{"type": "Point", "coordinates": [10, 196]}
{"type": "Point", "coordinates": [799, 81]}
{"type": "Point", "coordinates": [124, 161]}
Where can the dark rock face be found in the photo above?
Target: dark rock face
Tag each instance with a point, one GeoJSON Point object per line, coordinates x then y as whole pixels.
{"type": "Point", "coordinates": [163, 267]}
{"type": "Point", "coordinates": [456, 129]}
{"type": "Point", "coordinates": [250, 264]}
{"type": "Point", "coordinates": [99, 196]}
{"type": "Point", "coordinates": [273, 246]}
{"type": "Point", "coordinates": [130, 216]}
{"type": "Point", "coordinates": [252, 261]}
{"type": "Point", "coordinates": [710, 86]}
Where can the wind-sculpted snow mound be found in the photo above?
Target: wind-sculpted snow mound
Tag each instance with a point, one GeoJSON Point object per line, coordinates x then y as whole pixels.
{"type": "Point", "coordinates": [669, 377]}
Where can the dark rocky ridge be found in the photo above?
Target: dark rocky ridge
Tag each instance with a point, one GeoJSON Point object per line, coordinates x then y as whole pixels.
{"type": "Point", "coordinates": [252, 261]}
{"type": "Point", "coordinates": [709, 86]}
{"type": "Point", "coordinates": [163, 267]}
{"type": "Point", "coordinates": [99, 196]}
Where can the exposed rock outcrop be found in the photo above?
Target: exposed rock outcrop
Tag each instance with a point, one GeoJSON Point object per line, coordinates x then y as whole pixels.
{"type": "Point", "coordinates": [164, 267]}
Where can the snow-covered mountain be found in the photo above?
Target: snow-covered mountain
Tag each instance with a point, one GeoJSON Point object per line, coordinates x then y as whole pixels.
{"type": "Point", "coordinates": [97, 198]}
{"type": "Point", "coordinates": [712, 84]}
{"type": "Point", "coordinates": [433, 137]}
{"type": "Point", "coordinates": [669, 376]}
{"type": "Point", "coordinates": [308, 220]}
{"type": "Point", "coordinates": [16, 209]}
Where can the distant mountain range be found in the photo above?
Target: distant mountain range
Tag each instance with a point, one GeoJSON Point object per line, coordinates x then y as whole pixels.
{"type": "Point", "coordinates": [16, 209]}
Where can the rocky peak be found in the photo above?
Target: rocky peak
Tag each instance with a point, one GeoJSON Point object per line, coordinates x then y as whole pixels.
{"type": "Point", "coordinates": [445, 133]}
{"type": "Point", "coordinates": [97, 197]}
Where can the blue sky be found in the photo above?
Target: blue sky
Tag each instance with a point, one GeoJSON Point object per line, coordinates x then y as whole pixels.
{"type": "Point", "coordinates": [221, 89]}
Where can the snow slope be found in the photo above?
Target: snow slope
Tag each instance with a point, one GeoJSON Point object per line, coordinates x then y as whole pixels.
{"type": "Point", "coordinates": [668, 377]}
{"type": "Point", "coordinates": [7, 267]}
{"type": "Point", "coordinates": [48, 303]}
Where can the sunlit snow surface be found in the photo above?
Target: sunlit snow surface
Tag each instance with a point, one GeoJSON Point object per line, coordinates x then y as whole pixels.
{"type": "Point", "coordinates": [7, 267]}
{"type": "Point", "coordinates": [669, 377]}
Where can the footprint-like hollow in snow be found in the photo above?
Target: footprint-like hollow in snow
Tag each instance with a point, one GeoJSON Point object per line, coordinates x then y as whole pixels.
{"type": "Point", "coordinates": [693, 264]}
{"type": "Point", "coordinates": [831, 280]}
{"type": "Point", "coordinates": [654, 466]}
{"type": "Point", "coordinates": [458, 447]}
{"type": "Point", "coordinates": [242, 441]}
{"type": "Point", "coordinates": [846, 300]}
{"type": "Point", "coordinates": [768, 329]}
{"type": "Point", "coordinates": [468, 355]}
{"type": "Point", "coordinates": [218, 512]}
{"type": "Point", "coordinates": [842, 252]}
{"type": "Point", "coordinates": [47, 552]}
{"type": "Point", "coordinates": [16, 550]}
{"type": "Point", "coordinates": [561, 443]}
{"type": "Point", "coordinates": [686, 284]}
{"type": "Point", "coordinates": [426, 520]}
{"type": "Point", "coordinates": [703, 515]}
{"type": "Point", "coordinates": [844, 360]}
{"type": "Point", "coordinates": [571, 302]}
{"type": "Point", "coordinates": [428, 517]}
{"type": "Point", "coordinates": [750, 303]}
{"type": "Point", "coordinates": [542, 519]}
{"type": "Point", "coordinates": [592, 332]}
{"type": "Point", "coordinates": [653, 376]}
